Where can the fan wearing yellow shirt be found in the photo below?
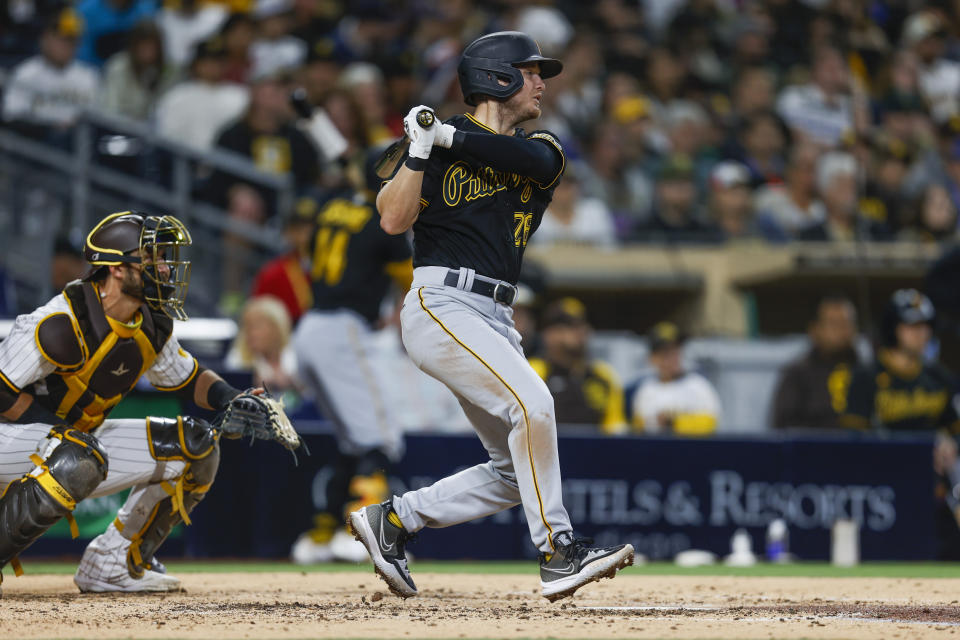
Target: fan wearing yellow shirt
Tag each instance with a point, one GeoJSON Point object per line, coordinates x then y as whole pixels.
{"type": "Point", "coordinates": [585, 392]}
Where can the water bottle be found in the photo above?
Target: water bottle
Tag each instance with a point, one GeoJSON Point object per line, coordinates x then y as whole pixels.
{"type": "Point", "coordinates": [777, 541]}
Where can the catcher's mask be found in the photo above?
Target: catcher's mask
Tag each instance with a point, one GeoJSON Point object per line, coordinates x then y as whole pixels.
{"type": "Point", "coordinates": [150, 241]}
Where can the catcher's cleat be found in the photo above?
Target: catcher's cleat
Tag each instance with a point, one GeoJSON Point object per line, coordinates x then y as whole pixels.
{"type": "Point", "coordinates": [574, 564]}
{"type": "Point", "coordinates": [103, 568]}
{"type": "Point", "coordinates": [379, 528]}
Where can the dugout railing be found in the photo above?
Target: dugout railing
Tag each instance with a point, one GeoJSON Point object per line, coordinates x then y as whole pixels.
{"type": "Point", "coordinates": [107, 163]}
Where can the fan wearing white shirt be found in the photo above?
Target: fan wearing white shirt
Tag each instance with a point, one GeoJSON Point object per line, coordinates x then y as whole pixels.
{"type": "Point", "coordinates": [674, 401]}
{"type": "Point", "coordinates": [575, 220]}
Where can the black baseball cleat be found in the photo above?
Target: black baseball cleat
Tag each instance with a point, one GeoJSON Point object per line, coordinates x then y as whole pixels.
{"type": "Point", "coordinates": [379, 528]}
{"type": "Point", "coordinates": [574, 564]}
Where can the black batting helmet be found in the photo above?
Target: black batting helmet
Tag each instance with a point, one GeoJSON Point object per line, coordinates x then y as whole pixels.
{"type": "Point", "coordinates": [906, 306]}
{"type": "Point", "coordinates": [495, 57]}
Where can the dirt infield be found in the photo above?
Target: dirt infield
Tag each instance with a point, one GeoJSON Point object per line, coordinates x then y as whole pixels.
{"type": "Point", "coordinates": [354, 605]}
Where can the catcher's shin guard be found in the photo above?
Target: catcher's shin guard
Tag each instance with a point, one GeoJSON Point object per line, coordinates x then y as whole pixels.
{"type": "Point", "coordinates": [186, 439]}
{"type": "Point", "coordinates": [32, 504]}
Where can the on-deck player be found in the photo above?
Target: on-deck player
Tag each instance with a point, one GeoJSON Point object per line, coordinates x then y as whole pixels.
{"type": "Point", "coordinates": [473, 201]}
{"type": "Point", "coordinates": [66, 365]}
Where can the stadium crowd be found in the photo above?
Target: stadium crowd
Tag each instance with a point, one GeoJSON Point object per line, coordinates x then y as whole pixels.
{"type": "Point", "coordinates": [682, 121]}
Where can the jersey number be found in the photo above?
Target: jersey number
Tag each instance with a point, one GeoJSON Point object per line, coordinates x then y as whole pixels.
{"type": "Point", "coordinates": [330, 255]}
{"type": "Point", "coordinates": [521, 232]}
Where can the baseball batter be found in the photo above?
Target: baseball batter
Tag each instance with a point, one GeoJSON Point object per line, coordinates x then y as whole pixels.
{"type": "Point", "coordinates": [353, 262]}
{"type": "Point", "coordinates": [65, 366]}
{"type": "Point", "coordinates": [474, 189]}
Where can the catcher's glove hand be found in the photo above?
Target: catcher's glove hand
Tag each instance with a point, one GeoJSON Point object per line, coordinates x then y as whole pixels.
{"type": "Point", "coordinates": [258, 417]}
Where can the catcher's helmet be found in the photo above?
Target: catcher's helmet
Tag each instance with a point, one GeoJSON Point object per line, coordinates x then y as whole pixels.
{"type": "Point", "coordinates": [906, 306]}
{"type": "Point", "coordinates": [495, 57]}
{"type": "Point", "coordinates": [158, 239]}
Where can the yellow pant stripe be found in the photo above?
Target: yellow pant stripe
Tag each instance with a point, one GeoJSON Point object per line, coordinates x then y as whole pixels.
{"type": "Point", "coordinates": [526, 420]}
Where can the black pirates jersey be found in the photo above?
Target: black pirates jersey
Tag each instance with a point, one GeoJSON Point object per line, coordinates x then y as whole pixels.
{"type": "Point", "coordinates": [79, 363]}
{"type": "Point", "coordinates": [879, 396]}
{"type": "Point", "coordinates": [472, 215]}
{"type": "Point", "coordinates": [352, 260]}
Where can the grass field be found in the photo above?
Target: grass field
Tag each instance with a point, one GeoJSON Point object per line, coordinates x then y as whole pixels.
{"type": "Point", "coordinates": [278, 600]}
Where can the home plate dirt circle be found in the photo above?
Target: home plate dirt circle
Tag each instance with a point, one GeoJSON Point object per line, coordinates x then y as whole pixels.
{"type": "Point", "coordinates": [356, 605]}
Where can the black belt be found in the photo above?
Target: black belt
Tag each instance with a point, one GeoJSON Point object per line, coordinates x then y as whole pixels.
{"type": "Point", "coordinates": [500, 291]}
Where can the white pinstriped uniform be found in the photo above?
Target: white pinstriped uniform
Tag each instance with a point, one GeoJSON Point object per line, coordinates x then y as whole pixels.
{"type": "Point", "coordinates": [124, 441]}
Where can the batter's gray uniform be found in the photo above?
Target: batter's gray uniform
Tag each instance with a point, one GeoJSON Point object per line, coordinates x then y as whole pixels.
{"type": "Point", "coordinates": [467, 341]}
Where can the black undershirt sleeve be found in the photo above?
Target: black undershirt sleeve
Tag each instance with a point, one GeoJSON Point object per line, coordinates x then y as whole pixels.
{"type": "Point", "coordinates": [536, 160]}
{"type": "Point", "coordinates": [219, 394]}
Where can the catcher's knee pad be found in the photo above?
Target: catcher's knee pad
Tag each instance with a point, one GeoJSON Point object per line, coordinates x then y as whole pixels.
{"type": "Point", "coordinates": [32, 504]}
{"type": "Point", "coordinates": [194, 442]}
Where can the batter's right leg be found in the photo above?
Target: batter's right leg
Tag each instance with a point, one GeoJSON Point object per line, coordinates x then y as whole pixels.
{"type": "Point", "coordinates": [74, 466]}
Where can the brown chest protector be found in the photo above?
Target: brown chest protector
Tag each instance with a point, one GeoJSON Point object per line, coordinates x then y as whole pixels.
{"type": "Point", "coordinates": [98, 359]}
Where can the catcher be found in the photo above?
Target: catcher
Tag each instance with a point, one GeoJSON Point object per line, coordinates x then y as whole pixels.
{"type": "Point", "coordinates": [67, 364]}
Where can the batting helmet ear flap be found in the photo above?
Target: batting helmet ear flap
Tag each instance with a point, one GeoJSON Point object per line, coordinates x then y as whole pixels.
{"type": "Point", "coordinates": [495, 57]}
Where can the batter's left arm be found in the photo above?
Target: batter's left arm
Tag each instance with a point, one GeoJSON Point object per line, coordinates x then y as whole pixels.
{"type": "Point", "coordinates": [538, 157]}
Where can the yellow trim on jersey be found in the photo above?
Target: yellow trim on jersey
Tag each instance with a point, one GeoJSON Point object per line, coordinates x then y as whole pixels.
{"type": "Point", "coordinates": [193, 374]}
{"type": "Point", "coordinates": [76, 332]}
{"type": "Point", "coordinates": [526, 419]}
{"type": "Point", "coordinates": [7, 382]}
{"type": "Point", "coordinates": [125, 329]}
{"type": "Point", "coordinates": [473, 119]}
{"type": "Point", "coordinates": [563, 158]}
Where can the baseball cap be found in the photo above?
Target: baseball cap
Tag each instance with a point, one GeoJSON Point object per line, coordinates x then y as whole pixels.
{"type": "Point", "coordinates": [322, 50]}
{"type": "Point", "coordinates": [729, 174]}
{"type": "Point", "coordinates": [210, 48]}
{"type": "Point", "coordinates": [677, 166]}
{"type": "Point", "coordinates": [919, 26]}
{"type": "Point", "coordinates": [631, 108]}
{"type": "Point", "coordinates": [565, 311]}
{"type": "Point", "coordinates": [67, 23]}
{"type": "Point", "coordinates": [663, 335]}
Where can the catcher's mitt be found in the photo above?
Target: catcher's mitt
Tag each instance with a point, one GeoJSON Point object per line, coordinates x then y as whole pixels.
{"type": "Point", "coordinates": [258, 417]}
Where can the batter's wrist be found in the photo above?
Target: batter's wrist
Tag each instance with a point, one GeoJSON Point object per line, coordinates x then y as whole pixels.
{"type": "Point", "coordinates": [415, 164]}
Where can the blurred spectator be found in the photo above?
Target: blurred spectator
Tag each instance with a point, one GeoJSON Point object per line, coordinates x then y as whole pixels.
{"type": "Point", "coordinates": [837, 175]}
{"type": "Point", "coordinates": [675, 214]}
{"type": "Point", "coordinates": [238, 33]}
{"type": "Point", "coordinates": [266, 135]}
{"type": "Point", "coordinates": [762, 141]}
{"type": "Point", "coordinates": [46, 93]}
{"type": "Point", "coordinates": [401, 88]}
{"type": "Point", "coordinates": [753, 92]}
{"type": "Point", "coordinates": [584, 392]}
{"type": "Point", "coordinates": [821, 111]}
{"type": "Point", "coordinates": [788, 208]}
{"type": "Point", "coordinates": [579, 89]}
{"type": "Point", "coordinates": [134, 79]}
{"type": "Point", "coordinates": [675, 400]}
{"type": "Point", "coordinates": [66, 265]}
{"type": "Point", "coordinates": [812, 390]}
{"type": "Point", "coordinates": [106, 23]}
{"type": "Point", "coordinates": [925, 34]}
{"type": "Point", "coordinates": [21, 25]}
{"type": "Point", "coordinates": [365, 84]}
{"type": "Point", "coordinates": [320, 71]}
{"type": "Point", "coordinates": [274, 48]}
{"type": "Point", "coordinates": [624, 188]}
{"type": "Point", "coordinates": [731, 200]}
{"type": "Point", "coordinates": [572, 219]}
{"type": "Point", "coordinates": [530, 289]}
{"type": "Point", "coordinates": [285, 277]}
{"type": "Point", "coordinates": [187, 23]}
{"type": "Point", "coordinates": [665, 76]}
{"type": "Point", "coordinates": [936, 219]}
{"type": "Point", "coordinates": [901, 109]}
{"type": "Point", "coordinates": [884, 201]}
{"type": "Point", "coordinates": [901, 390]}
{"type": "Point", "coordinates": [193, 111]}
{"type": "Point", "coordinates": [263, 346]}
